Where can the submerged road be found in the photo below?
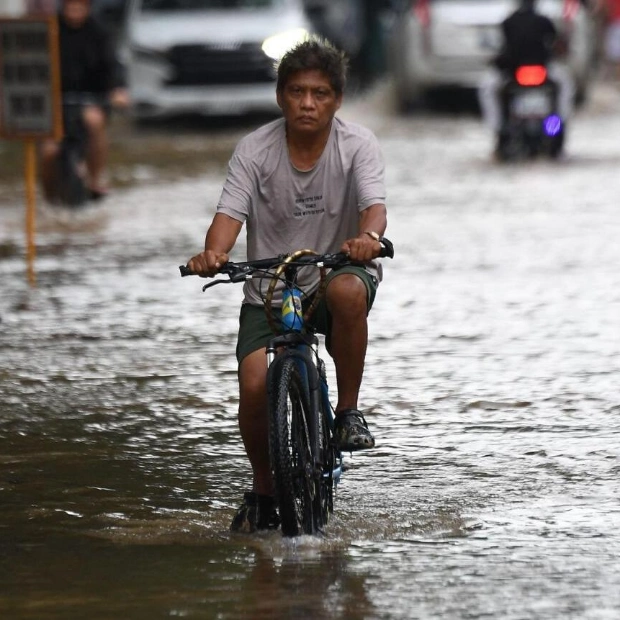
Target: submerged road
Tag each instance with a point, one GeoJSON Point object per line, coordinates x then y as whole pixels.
{"type": "Point", "coordinates": [491, 386]}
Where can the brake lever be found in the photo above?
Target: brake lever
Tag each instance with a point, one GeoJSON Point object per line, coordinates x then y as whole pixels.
{"type": "Point", "coordinates": [214, 282]}
{"type": "Point", "coordinates": [240, 274]}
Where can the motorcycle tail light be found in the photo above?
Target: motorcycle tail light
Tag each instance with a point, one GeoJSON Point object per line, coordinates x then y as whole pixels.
{"type": "Point", "coordinates": [422, 11]}
{"type": "Point", "coordinates": [531, 75]}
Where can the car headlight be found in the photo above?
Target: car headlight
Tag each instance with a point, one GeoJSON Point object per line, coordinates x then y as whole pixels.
{"type": "Point", "coordinates": [277, 45]}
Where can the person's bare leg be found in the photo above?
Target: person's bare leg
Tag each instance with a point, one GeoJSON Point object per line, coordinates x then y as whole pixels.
{"type": "Point", "coordinates": [347, 303]}
{"type": "Point", "coordinates": [253, 422]}
{"type": "Point", "coordinates": [49, 152]}
{"type": "Point", "coordinates": [97, 150]}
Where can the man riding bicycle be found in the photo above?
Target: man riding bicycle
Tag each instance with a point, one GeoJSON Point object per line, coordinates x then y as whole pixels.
{"type": "Point", "coordinates": [308, 180]}
{"type": "Point", "coordinates": [88, 65]}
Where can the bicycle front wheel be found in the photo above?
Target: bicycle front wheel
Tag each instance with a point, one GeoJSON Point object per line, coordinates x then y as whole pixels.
{"type": "Point", "coordinates": [293, 430]}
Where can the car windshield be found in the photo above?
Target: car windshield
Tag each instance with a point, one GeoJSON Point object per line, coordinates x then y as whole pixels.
{"type": "Point", "coordinates": [193, 5]}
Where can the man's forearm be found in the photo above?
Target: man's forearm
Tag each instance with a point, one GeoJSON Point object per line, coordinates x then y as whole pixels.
{"type": "Point", "coordinates": [222, 234]}
{"type": "Point", "coordinates": [373, 219]}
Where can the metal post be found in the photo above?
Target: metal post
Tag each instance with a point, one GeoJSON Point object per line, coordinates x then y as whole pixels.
{"type": "Point", "coordinates": [31, 180]}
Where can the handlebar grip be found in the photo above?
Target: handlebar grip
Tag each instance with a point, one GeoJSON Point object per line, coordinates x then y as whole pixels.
{"type": "Point", "coordinates": [186, 271]}
{"type": "Point", "coordinates": [387, 248]}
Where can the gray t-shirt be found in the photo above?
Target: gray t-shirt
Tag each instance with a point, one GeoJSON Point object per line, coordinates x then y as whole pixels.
{"type": "Point", "coordinates": [286, 209]}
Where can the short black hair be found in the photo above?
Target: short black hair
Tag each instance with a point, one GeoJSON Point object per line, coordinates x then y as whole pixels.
{"type": "Point", "coordinates": [318, 54]}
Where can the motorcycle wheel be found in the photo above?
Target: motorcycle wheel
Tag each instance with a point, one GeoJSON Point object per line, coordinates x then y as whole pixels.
{"type": "Point", "coordinates": [509, 146]}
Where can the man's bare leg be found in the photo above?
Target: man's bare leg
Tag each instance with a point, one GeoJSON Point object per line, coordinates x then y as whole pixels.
{"type": "Point", "coordinates": [97, 149]}
{"type": "Point", "coordinates": [253, 422]}
{"type": "Point", "coordinates": [347, 303]}
{"type": "Point", "coordinates": [49, 153]}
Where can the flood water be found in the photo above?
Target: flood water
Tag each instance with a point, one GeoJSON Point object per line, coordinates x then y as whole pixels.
{"type": "Point", "coordinates": [491, 386]}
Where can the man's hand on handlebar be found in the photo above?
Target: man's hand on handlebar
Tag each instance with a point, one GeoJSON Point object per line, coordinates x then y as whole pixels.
{"type": "Point", "coordinates": [207, 263]}
{"type": "Point", "coordinates": [361, 249]}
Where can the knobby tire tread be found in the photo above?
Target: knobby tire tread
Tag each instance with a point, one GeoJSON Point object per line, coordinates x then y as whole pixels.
{"type": "Point", "coordinates": [291, 424]}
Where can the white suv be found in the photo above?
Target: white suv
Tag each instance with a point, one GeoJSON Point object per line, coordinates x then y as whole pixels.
{"type": "Point", "coordinates": [436, 43]}
{"type": "Point", "coordinates": [213, 57]}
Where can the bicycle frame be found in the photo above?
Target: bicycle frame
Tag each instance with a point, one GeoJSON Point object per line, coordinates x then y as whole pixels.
{"type": "Point", "coordinates": [302, 345]}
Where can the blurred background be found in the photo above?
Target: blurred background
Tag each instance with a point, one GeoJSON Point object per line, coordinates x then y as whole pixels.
{"type": "Point", "coordinates": [211, 61]}
{"type": "Point", "coordinates": [491, 381]}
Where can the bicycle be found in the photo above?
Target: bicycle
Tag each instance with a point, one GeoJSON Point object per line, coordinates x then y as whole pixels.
{"type": "Point", "coordinates": [305, 461]}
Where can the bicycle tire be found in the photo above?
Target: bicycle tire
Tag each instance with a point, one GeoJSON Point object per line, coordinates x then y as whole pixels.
{"type": "Point", "coordinates": [292, 427]}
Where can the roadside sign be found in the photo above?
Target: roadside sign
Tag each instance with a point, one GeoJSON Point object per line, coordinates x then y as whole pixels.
{"type": "Point", "coordinates": [30, 101]}
{"type": "Point", "coordinates": [30, 105]}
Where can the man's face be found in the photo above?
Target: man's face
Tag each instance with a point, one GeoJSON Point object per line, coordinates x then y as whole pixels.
{"type": "Point", "coordinates": [308, 102]}
{"type": "Point", "coordinates": [75, 12]}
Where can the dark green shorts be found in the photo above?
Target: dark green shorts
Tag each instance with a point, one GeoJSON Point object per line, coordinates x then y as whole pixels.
{"type": "Point", "coordinates": [254, 330]}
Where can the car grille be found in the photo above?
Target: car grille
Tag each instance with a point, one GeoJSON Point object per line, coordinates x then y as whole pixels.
{"type": "Point", "coordinates": [204, 65]}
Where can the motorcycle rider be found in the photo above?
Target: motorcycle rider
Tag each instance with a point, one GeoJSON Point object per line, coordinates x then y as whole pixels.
{"type": "Point", "coordinates": [530, 38]}
{"type": "Point", "coordinates": [88, 65]}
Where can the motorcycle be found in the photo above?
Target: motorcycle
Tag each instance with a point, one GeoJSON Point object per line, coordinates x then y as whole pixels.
{"type": "Point", "coordinates": [532, 124]}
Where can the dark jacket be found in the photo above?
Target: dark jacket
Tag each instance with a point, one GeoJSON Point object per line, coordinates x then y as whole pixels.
{"type": "Point", "coordinates": [529, 38]}
{"type": "Point", "coordinates": [88, 60]}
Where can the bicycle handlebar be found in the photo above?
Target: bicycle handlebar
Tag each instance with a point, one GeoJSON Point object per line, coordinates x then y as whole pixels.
{"type": "Point", "coordinates": [237, 272]}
